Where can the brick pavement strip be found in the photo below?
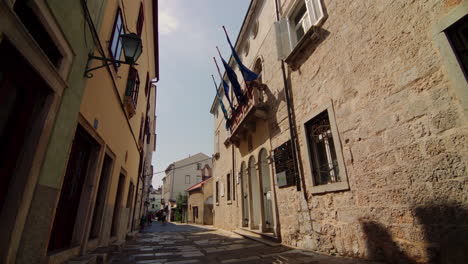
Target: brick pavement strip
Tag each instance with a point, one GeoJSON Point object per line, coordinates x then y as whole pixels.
{"type": "Point", "coordinates": [180, 244]}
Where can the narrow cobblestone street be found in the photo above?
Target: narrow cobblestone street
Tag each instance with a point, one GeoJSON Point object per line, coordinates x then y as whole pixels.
{"type": "Point", "coordinates": [179, 243]}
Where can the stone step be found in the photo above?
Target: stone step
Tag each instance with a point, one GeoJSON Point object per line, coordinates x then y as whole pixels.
{"type": "Point", "coordinates": [266, 239]}
{"type": "Point", "coordinates": [89, 259]}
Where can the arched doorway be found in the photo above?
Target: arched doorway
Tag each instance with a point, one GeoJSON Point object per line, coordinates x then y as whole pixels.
{"type": "Point", "coordinates": [266, 191]}
{"type": "Point", "coordinates": [255, 199]}
{"type": "Point", "coordinates": [245, 196]}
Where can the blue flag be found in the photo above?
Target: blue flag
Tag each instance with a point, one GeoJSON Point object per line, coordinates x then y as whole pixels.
{"type": "Point", "coordinates": [234, 82]}
{"type": "Point", "coordinates": [225, 114]}
{"type": "Point", "coordinates": [226, 92]}
{"type": "Point", "coordinates": [246, 73]}
{"type": "Point", "coordinates": [228, 121]}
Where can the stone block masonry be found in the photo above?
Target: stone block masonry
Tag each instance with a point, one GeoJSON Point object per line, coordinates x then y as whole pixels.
{"type": "Point", "coordinates": [400, 125]}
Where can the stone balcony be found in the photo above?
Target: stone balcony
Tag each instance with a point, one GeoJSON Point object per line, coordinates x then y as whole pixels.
{"type": "Point", "coordinates": [244, 121]}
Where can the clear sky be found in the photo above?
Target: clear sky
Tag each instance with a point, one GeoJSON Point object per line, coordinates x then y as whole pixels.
{"type": "Point", "coordinates": [189, 31]}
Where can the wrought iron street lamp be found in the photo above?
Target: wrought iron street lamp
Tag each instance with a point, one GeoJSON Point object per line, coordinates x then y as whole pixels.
{"type": "Point", "coordinates": [132, 48]}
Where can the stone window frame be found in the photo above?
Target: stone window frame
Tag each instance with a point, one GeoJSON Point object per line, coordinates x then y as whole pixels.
{"type": "Point", "coordinates": [187, 177]}
{"type": "Point", "coordinates": [447, 54]}
{"type": "Point", "coordinates": [343, 185]}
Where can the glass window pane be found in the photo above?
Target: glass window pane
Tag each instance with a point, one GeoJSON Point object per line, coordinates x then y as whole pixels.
{"type": "Point", "coordinates": [300, 14]}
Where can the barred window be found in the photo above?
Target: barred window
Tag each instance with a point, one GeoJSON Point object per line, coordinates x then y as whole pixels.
{"type": "Point", "coordinates": [322, 150]}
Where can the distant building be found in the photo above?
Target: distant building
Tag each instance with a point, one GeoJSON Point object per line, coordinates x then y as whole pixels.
{"type": "Point", "coordinates": [200, 203]}
{"type": "Point", "coordinates": [183, 174]}
{"type": "Point", "coordinates": [154, 198]}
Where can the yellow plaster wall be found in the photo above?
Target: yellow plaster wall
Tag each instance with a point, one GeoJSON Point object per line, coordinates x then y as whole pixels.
{"type": "Point", "coordinates": [102, 102]}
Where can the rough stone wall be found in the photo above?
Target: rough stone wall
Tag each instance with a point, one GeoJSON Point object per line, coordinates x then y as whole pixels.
{"type": "Point", "coordinates": [402, 130]}
{"type": "Point", "coordinates": [400, 124]}
{"type": "Point", "coordinates": [195, 198]}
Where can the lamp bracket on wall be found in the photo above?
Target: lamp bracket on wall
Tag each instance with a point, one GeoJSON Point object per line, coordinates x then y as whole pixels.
{"type": "Point", "coordinates": [106, 61]}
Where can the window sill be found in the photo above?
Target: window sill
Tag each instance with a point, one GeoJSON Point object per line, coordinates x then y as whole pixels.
{"type": "Point", "coordinates": [229, 202]}
{"type": "Point", "coordinates": [217, 204]}
{"type": "Point", "coordinates": [332, 187]}
{"type": "Point", "coordinates": [129, 106]}
{"type": "Point", "coordinates": [302, 44]}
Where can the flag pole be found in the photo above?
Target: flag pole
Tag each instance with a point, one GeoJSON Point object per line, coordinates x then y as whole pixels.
{"type": "Point", "coordinates": [218, 51]}
{"type": "Point", "coordinates": [221, 77]}
{"type": "Point", "coordinates": [216, 86]}
{"type": "Point", "coordinates": [217, 67]}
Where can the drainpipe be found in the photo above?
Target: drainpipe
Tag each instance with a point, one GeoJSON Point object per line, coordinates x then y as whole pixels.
{"type": "Point", "coordinates": [292, 130]}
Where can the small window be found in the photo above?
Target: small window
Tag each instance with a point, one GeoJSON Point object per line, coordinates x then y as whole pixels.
{"type": "Point", "coordinates": [133, 85]}
{"type": "Point", "coordinates": [199, 166]}
{"type": "Point", "coordinates": [458, 37]}
{"type": "Point", "coordinates": [140, 21]}
{"type": "Point", "coordinates": [115, 44]}
{"type": "Point", "coordinates": [142, 135]}
{"type": "Point", "coordinates": [258, 69]}
{"type": "Point", "coordinates": [217, 192]}
{"type": "Point", "coordinates": [187, 179]}
{"type": "Point", "coordinates": [216, 142]}
{"type": "Point", "coordinates": [147, 85]}
{"type": "Point", "coordinates": [246, 48]}
{"type": "Point", "coordinates": [228, 186]}
{"type": "Point", "coordinates": [255, 29]}
{"type": "Point", "coordinates": [233, 187]}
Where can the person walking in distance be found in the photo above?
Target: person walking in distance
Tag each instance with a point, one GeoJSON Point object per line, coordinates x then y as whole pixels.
{"type": "Point", "coordinates": [163, 218]}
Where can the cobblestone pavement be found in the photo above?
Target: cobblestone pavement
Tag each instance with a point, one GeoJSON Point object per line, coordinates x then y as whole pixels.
{"type": "Point", "coordinates": [179, 243]}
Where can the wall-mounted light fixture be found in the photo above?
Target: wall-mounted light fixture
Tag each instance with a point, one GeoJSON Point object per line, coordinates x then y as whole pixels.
{"type": "Point", "coordinates": [132, 47]}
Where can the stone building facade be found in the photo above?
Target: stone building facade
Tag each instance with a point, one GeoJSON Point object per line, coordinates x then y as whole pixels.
{"type": "Point", "coordinates": [154, 198]}
{"type": "Point", "coordinates": [374, 102]}
{"type": "Point", "coordinates": [200, 203]}
{"type": "Point", "coordinates": [181, 175]}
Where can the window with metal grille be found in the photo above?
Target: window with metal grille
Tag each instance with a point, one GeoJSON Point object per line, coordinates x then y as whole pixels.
{"type": "Point", "coordinates": [458, 37]}
{"type": "Point", "coordinates": [322, 150]}
{"type": "Point", "coordinates": [133, 85]}
{"type": "Point", "coordinates": [284, 165]}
